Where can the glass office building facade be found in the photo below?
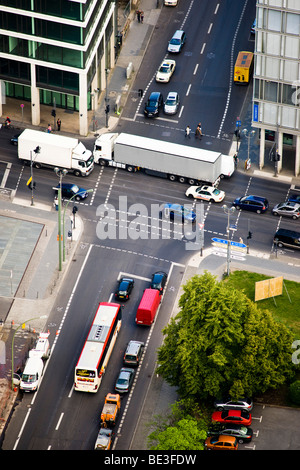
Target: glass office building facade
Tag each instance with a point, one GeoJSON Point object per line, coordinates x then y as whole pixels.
{"type": "Point", "coordinates": [55, 52]}
{"type": "Point", "coordinates": [276, 94]}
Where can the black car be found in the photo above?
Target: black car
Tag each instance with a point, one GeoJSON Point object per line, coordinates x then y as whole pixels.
{"type": "Point", "coordinates": [242, 433]}
{"type": "Point", "coordinates": [251, 203]}
{"type": "Point", "coordinates": [158, 281]}
{"type": "Point", "coordinates": [294, 198]}
{"type": "Point", "coordinates": [153, 104]}
{"type": "Point", "coordinates": [124, 288]}
{"type": "Point", "coordinates": [69, 190]}
{"type": "Point", "coordinates": [14, 139]}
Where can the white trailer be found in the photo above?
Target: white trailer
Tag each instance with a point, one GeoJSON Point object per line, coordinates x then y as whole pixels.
{"type": "Point", "coordinates": [55, 151]}
{"type": "Point", "coordinates": [160, 158]}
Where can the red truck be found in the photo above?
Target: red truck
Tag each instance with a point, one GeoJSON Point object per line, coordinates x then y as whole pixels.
{"type": "Point", "coordinates": [148, 307]}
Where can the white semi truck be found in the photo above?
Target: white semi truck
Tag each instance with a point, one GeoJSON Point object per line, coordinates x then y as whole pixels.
{"type": "Point", "coordinates": [55, 151]}
{"type": "Point", "coordinates": [156, 157]}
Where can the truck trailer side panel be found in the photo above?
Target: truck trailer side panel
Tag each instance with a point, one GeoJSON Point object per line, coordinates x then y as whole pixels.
{"type": "Point", "coordinates": [168, 158]}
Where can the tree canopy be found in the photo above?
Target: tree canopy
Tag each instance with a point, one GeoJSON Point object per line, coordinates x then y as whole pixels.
{"type": "Point", "coordinates": [221, 342]}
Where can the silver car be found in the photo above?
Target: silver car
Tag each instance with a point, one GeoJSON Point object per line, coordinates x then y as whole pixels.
{"type": "Point", "coordinates": [228, 404]}
{"type": "Point", "coordinates": [124, 380]}
{"type": "Point", "coordinates": [172, 103]}
{"type": "Point", "coordinates": [288, 209]}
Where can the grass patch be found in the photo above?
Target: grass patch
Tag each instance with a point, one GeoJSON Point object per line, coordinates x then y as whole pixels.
{"type": "Point", "coordinates": [285, 310]}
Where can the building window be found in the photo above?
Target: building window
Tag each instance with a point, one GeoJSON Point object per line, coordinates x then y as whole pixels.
{"type": "Point", "coordinates": [270, 92]}
{"type": "Point", "coordinates": [293, 24]}
{"type": "Point", "coordinates": [54, 79]}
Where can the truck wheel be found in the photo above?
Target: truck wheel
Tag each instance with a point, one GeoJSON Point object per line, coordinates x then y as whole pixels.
{"type": "Point", "coordinates": [181, 179]}
{"type": "Point", "coordinates": [191, 182]}
{"type": "Point", "coordinates": [77, 173]}
{"type": "Point", "coordinates": [172, 177]}
{"type": "Point", "coordinates": [38, 166]}
{"type": "Point", "coordinates": [102, 162]}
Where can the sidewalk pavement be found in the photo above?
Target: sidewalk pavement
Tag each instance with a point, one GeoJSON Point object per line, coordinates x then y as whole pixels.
{"type": "Point", "coordinates": [32, 288]}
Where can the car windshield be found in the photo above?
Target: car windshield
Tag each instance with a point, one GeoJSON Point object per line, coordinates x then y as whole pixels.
{"type": "Point", "coordinates": [216, 192]}
{"type": "Point", "coordinates": [164, 69]}
{"type": "Point", "coordinates": [29, 378]}
{"type": "Point", "coordinates": [122, 381]}
{"type": "Point", "coordinates": [75, 188]}
{"type": "Point", "coordinates": [175, 42]}
{"type": "Point", "coordinates": [243, 430]}
{"type": "Point", "coordinates": [170, 101]}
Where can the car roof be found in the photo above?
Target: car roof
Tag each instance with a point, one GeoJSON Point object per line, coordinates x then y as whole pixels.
{"type": "Point", "coordinates": [256, 198]}
{"type": "Point", "coordinates": [155, 94]}
{"type": "Point", "coordinates": [225, 438]}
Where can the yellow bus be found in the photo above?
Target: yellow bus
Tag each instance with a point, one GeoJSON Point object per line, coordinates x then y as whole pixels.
{"type": "Point", "coordinates": [243, 67]}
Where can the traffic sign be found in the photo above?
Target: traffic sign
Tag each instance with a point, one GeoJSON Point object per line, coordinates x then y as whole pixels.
{"type": "Point", "coordinates": [221, 242]}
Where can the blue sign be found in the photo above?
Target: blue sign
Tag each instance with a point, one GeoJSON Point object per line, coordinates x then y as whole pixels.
{"type": "Point", "coordinates": [255, 112]}
{"type": "Point", "coordinates": [225, 242]}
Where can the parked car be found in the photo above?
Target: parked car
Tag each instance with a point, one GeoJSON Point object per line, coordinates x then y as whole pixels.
{"type": "Point", "coordinates": [284, 237]}
{"type": "Point", "coordinates": [69, 190]}
{"type": "Point", "coordinates": [178, 212]}
{"type": "Point", "coordinates": [206, 193]}
{"type": "Point", "coordinates": [158, 281]}
{"type": "Point", "coordinates": [104, 439]}
{"type": "Point", "coordinates": [288, 209]}
{"type": "Point", "coordinates": [171, 104]}
{"type": "Point", "coordinates": [153, 104]}
{"type": "Point", "coordinates": [242, 433]}
{"type": "Point", "coordinates": [251, 203]}
{"type": "Point", "coordinates": [232, 416]}
{"type": "Point", "coordinates": [221, 443]}
{"type": "Point", "coordinates": [124, 288]}
{"type": "Point", "coordinates": [294, 198]}
{"type": "Point", "coordinates": [165, 71]}
{"type": "Point", "coordinates": [228, 404]}
{"type": "Point", "coordinates": [125, 379]}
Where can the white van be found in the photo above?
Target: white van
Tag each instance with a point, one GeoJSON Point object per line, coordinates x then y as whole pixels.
{"type": "Point", "coordinates": [32, 374]}
{"type": "Point", "coordinates": [177, 41]}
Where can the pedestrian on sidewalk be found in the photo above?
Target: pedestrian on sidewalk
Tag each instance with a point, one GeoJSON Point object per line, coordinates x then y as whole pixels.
{"type": "Point", "coordinates": [138, 14]}
{"type": "Point", "coordinates": [58, 124]}
{"type": "Point", "coordinates": [187, 132]}
{"type": "Point", "coordinates": [235, 159]}
{"type": "Point", "coordinates": [49, 129]}
{"type": "Point", "coordinates": [142, 17]}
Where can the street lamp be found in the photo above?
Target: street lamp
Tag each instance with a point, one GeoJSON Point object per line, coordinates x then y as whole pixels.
{"type": "Point", "coordinates": [106, 98]}
{"type": "Point", "coordinates": [248, 136]}
{"type": "Point", "coordinates": [60, 173]}
{"type": "Point", "coordinates": [31, 182]}
{"type": "Point", "coordinates": [71, 198]}
{"type": "Point", "coordinates": [228, 211]}
{"type": "Point", "coordinates": [12, 346]}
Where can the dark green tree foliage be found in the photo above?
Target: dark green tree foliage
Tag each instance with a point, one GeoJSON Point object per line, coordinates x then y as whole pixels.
{"type": "Point", "coordinates": [220, 342]}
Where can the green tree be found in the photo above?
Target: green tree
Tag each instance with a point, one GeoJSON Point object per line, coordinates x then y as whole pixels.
{"type": "Point", "coordinates": [183, 435]}
{"type": "Point", "coordinates": [221, 342]}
